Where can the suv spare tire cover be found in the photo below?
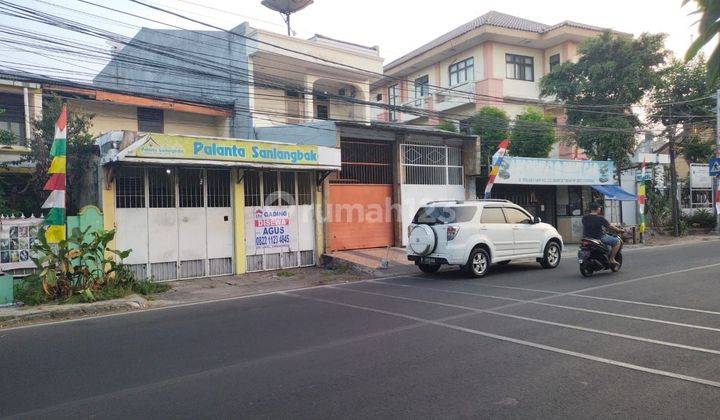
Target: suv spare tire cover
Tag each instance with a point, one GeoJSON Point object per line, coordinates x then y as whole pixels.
{"type": "Point", "coordinates": [422, 240]}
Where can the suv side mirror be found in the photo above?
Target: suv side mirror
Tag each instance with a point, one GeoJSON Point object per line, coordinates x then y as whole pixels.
{"type": "Point", "coordinates": [537, 219]}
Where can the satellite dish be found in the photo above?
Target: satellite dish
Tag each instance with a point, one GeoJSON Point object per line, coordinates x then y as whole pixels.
{"type": "Point", "coordinates": [286, 8]}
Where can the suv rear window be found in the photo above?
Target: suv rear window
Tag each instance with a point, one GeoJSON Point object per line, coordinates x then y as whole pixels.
{"type": "Point", "coordinates": [444, 215]}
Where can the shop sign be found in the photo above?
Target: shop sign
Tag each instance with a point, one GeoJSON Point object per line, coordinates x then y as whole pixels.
{"type": "Point", "coordinates": [181, 147]}
{"type": "Point", "coordinates": [532, 171]}
{"type": "Point", "coordinates": [700, 176]}
{"type": "Point", "coordinates": [272, 228]}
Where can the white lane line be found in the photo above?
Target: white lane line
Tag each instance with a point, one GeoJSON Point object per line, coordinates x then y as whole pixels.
{"type": "Point", "coordinates": [540, 321]}
{"type": "Point", "coordinates": [575, 294]}
{"type": "Point", "coordinates": [552, 349]}
{"type": "Point", "coordinates": [519, 302]}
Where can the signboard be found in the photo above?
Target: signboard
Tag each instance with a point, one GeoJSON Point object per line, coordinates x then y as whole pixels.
{"type": "Point", "coordinates": [714, 166]}
{"type": "Point", "coordinates": [533, 171]}
{"type": "Point", "coordinates": [656, 158]}
{"type": "Point", "coordinates": [700, 176]}
{"type": "Point", "coordinates": [16, 239]}
{"type": "Point", "coordinates": [183, 147]}
{"type": "Point", "coordinates": [640, 177]}
{"type": "Point", "coordinates": [272, 228]}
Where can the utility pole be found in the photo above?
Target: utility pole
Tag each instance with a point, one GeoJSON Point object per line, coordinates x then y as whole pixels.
{"type": "Point", "coordinates": [716, 179]}
{"type": "Point", "coordinates": [673, 185]}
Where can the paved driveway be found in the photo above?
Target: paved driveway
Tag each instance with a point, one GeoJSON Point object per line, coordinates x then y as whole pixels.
{"type": "Point", "coordinates": [522, 343]}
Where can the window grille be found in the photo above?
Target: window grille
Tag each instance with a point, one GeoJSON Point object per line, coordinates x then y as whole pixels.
{"type": "Point", "coordinates": [191, 188]}
{"type": "Point", "coordinates": [305, 188]}
{"type": "Point", "coordinates": [218, 188]}
{"type": "Point", "coordinates": [431, 165]}
{"type": "Point", "coordinates": [252, 189]}
{"type": "Point", "coordinates": [130, 188]}
{"type": "Point", "coordinates": [365, 162]}
{"type": "Point", "coordinates": [270, 188]}
{"type": "Point", "coordinates": [161, 183]}
{"type": "Point", "coordinates": [150, 120]}
{"type": "Point", "coordinates": [287, 185]}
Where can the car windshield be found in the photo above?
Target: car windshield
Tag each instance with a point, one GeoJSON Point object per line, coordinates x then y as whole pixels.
{"type": "Point", "coordinates": [443, 215]}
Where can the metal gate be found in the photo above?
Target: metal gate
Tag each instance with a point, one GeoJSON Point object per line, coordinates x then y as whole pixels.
{"type": "Point", "coordinates": [178, 222]}
{"type": "Point", "coordinates": [280, 192]}
{"type": "Point", "coordinates": [359, 213]}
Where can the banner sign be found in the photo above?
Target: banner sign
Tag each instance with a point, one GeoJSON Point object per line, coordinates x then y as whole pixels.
{"type": "Point", "coordinates": [181, 147]}
{"type": "Point", "coordinates": [272, 228]}
{"type": "Point", "coordinates": [16, 239]}
{"type": "Point", "coordinates": [497, 161]}
{"type": "Point", "coordinates": [534, 171]}
{"type": "Point", "coordinates": [700, 176]}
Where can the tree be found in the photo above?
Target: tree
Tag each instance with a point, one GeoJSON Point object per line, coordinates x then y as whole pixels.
{"type": "Point", "coordinates": [81, 152]}
{"type": "Point", "coordinates": [613, 73]}
{"type": "Point", "coordinates": [447, 125]}
{"type": "Point", "coordinates": [683, 102]}
{"type": "Point", "coordinates": [532, 134]}
{"type": "Point", "coordinates": [697, 150]}
{"type": "Point", "coordinates": [708, 28]}
{"type": "Point", "coordinates": [492, 125]}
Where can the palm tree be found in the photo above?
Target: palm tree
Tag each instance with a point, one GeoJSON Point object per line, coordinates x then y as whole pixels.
{"type": "Point", "coordinates": [709, 27]}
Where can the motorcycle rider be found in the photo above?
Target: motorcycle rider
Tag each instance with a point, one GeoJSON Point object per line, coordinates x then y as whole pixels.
{"type": "Point", "coordinates": [593, 225]}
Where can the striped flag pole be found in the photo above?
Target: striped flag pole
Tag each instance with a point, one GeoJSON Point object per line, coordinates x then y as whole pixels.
{"type": "Point", "coordinates": [641, 197]}
{"type": "Point", "coordinates": [495, 168]}
{"type": "Point", "coordinates": [55, 219]}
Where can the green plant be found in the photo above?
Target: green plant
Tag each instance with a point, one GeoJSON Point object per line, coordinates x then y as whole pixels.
{"type": "Point", "coordinates": [492, 125]}
{"type": "Point", "coordinates": [702, 218]}
{"type": "Point", "coordinates": [76, 265]}
{"type": "Point", "coordinates": [447, 125]}
{"type": "Point", "coordinates": [7, 138]}
{"type": "Point", "coordinates": [30, 292]}
{"type": "Point", "coordinates": [148, 287]}
{"type": "Point", "coordinates": [532, 135]}
{"type": "Point", "coordinates": [707, 31]}
{"type": "Point", "coordinates": [285, 273]}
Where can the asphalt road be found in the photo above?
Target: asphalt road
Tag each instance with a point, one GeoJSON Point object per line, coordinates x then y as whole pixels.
{"type": "Point", "coordinates": [522, 343]}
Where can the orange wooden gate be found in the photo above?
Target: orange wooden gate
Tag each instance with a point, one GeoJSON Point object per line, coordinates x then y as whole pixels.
{"type": "Point", "coordinates": [359, 216]}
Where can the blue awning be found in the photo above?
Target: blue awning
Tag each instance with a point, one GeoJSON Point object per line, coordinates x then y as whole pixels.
{"type": "Point", "coordinates": [613, 192]}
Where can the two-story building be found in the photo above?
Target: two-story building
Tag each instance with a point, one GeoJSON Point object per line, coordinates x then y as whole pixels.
{"type": "Point", "coordinates": [495, 59]}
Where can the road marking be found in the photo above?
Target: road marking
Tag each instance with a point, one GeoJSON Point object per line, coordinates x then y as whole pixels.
{"type": "Point", "coordinates": [541, 321]}
{"type": "Point", "coordinates": [526, 343]}
{"type": "Point", "coordinates": [519, 302]}
{"type": "Point", "coordinates": [634, 302]}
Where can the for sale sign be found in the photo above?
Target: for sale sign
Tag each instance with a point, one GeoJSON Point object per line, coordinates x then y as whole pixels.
{"type": "Point", "coordinates": [272, 228]}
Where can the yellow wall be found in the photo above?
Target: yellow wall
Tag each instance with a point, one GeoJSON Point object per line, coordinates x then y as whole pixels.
{"type": "Point", "coordinates": [194, 124]}
{"type": "Point", "coordinates": [240, 256]}
{"type": "Point", "coordinates": [108, 205]}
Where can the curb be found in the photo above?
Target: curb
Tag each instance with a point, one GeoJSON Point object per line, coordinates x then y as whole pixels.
{"type": "Point", "coordinates": [333, 262]}
{"type": "Point", "coordinates": [51, 312]}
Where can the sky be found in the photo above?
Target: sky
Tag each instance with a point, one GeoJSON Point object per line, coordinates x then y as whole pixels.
{"type": "Point", "coordinates": [396, 26]}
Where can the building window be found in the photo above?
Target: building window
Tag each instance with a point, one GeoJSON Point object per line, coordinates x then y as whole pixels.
{"type": "Point", "coordinates": [519, 67]}
{"type": "Point", "coordinates": [321, 112]}
{"type": "Point", "coordinates": [554, 61]}
{"type": "Point", "coordinates": [393, 94]}
{"type": "Point", "coordinates": [150, 120]}
{"type": "Point", "coordinates": [421, 86]}
{"type": "Point", "coordinates": [462, 71]}
{"type": "Point", "coordinates": [12, 115]}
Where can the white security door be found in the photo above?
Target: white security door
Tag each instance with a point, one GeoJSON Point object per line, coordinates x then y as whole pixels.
{"type": "Point", "coordinates": [279, 220]}
{"type": "Point", "coordinates": [178, 222]}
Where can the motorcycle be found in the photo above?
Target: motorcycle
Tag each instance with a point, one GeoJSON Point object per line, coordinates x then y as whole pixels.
{"type": "Point", "coordinates": [594, 256]}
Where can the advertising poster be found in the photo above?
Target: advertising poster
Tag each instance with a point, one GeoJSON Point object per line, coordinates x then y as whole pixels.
{"type": "Point", "coordinates": [16, 239]}
{"type": "Point", "coordinates": [272, 228]}
{"type": "Point", "coordinates": [531, 171]}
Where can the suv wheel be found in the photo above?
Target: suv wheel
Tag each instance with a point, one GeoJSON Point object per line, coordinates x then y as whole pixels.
{"type": "Point", "coordinates": [478, 263]}
{"type": "Point", "coordinates": [429, 268]}
{"type": "Point", "coordinates": [551, 256]}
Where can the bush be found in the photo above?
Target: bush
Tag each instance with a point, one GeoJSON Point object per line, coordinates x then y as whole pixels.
{"type": "Point", "coordinates": [702, 218]}
{"type": "Point", "coordinates": [30, 292]}
{"type": "Point", "coordinates": [148, 287]}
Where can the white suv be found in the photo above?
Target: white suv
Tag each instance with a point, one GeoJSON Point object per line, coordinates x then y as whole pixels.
{"type": "Point", "coordinates": [474, 234]}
